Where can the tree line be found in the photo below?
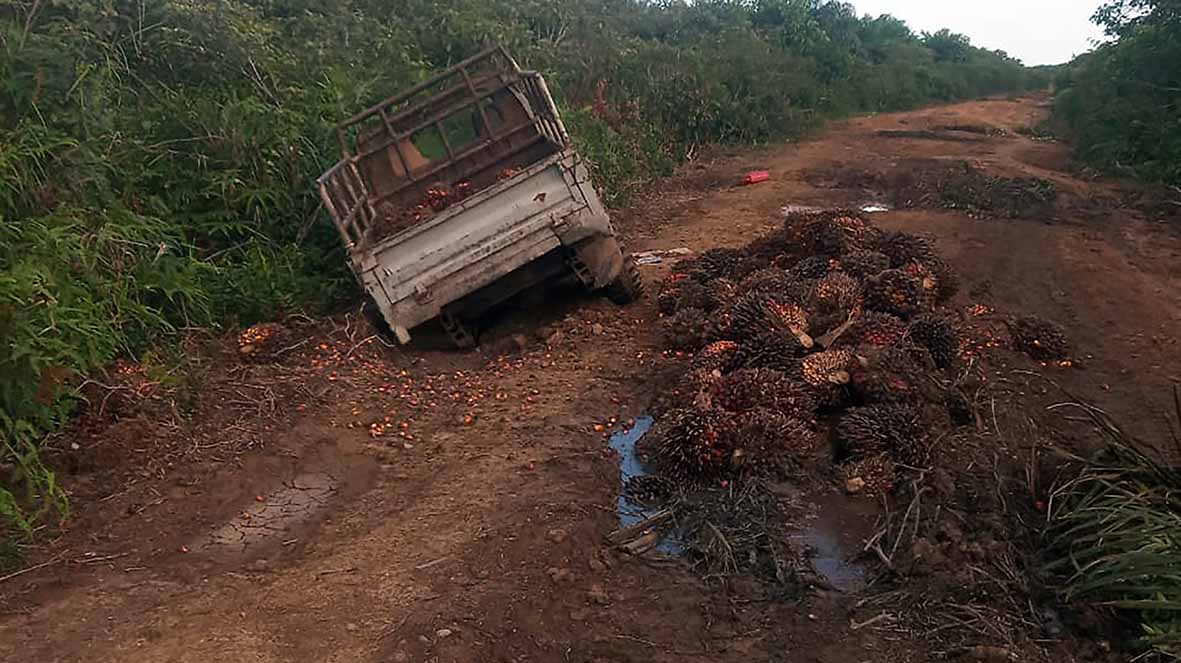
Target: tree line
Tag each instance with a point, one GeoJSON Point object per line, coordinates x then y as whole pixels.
{"type": "Point", "coordinates": [1121, 102]}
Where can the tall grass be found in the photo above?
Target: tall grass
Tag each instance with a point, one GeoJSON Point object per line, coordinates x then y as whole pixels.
{"type": "Point", "coordinates": [1116, 530]}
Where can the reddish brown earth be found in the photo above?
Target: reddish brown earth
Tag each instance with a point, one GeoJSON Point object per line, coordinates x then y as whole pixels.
{"type": "Point", "coordinates": [254, 513]}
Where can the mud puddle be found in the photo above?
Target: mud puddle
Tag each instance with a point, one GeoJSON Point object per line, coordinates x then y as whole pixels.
{"type": "Point", "coordinates": [629, 510]}
{"type": "Point", "coordinates": [833, 537]}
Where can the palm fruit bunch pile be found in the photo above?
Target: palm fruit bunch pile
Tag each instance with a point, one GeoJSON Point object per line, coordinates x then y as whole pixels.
{"type": "Point", "coordinates": [1040, 339]}
{"type": "Point", "coordinates": [394, 218]}
{"type": "Point", "coordinates": [261, 342]}
{"type": "Point", "coordinates": [875, 441]}
{"type": "Point", "coordinates": [828, 323]}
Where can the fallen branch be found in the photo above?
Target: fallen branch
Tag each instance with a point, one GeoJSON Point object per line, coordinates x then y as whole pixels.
{"type": "Point", "coordinates": [855, 626]}
{"type": "Point", "coordinates": [431, 563]}
{"type": "Point", "coordinates": [30, 569]}
{"type": "Point", "coordinates": [632, 532]}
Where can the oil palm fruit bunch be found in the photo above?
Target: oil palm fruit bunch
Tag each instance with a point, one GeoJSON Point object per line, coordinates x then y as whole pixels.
{"type": "Point", "coordinates": [719, 262]}
{"type": "Point", "coordinates": [1039, 338]}
{"type": "Point", "coordinates": [765, 441]}
{"type": "Point", "coordinates": [810, 268]}
{"type": "Point", "coordinates": [889, 428]}
{"type": "Point", "coordinates": [648, 488]}
{"type": "Point", "coordinates": [715, 263]}
{"type": "Point", "coordinates": [768, 279]}
{"type": "Point", "coordinates": [691, 269]}
{"type": "Point", "coordinates": [823, 368]}
{"type": "Point", "coordinates": [891, 374]}
{"type": "Point", "coordinates": [859, 232]}
{"type": "Point", "coordinates": [837, 287]}
{"type": "Point", "coordinates": [894, 291]}
{"type": "Point", "coordinates": [724, 292]}
{"type": "Point", "coordinates": [688, 329]}
{"type": "Point", "coordinates": [829, 233]}
{"type": "Point", "coordinates": [669, 296]}
{"type": "Point", "coordinates": [757, 313]}
{"type": "Point", "coordinates": [835, 299]}
{"type": "Point", "coordinates": [827, 375]}
{"type": "Point", "coordinates": [904, 248]}
{"type": "Point", "coordinates": [771, 281]}
{"type": "Point", "coordinates": [938, 335]}
{"type": "Point", "coordinates": [763, 252]}
{"type": "Point", "coordinates": [693, 444]}
{"type": "Point", "coordinates": [875, 329]}
{"type": "Point", "coordinates": [717, 356]}
{"type": "Point", "coordinates": [947, 283]}
{"type": "Point", "coordinates": [708, 297]}
{"type": "Point", "coordinates": [764, 388]}
{"type": "Point", "coordinates": [789, 318]}
{"type": "Point", "coordinates": [928, 284]}
{"type": "Point", "coordinates": [871, 476]}
{"type": "Point", "coordinates": [748, 265]}
{"type": "Point", "coordinates": [695, 385]}
{"type": "Point", "coordinates": [863, 263]}
{"type": "Point", "coordinates": [771, 349]}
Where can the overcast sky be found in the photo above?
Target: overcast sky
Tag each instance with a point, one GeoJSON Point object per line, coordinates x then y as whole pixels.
{"type": "Point", "coordinates": [1037, 31]}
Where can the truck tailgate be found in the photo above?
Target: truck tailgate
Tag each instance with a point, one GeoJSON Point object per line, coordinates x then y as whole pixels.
{"type": "Point", "coordinates": [512, 222]}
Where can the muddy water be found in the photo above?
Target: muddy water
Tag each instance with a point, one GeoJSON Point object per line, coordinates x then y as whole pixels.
{"type": "Point", "coordinates": [832, 530]}
{"type": "Point", "coordinates": [833, 534]}
{"type": "Point", "coordinates": [631, 512]}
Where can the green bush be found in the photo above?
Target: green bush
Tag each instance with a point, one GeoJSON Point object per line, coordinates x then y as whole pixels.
{"type": "Point", "coordinates": [1122, 102]}
{"type": "Point", "coordinates": [157, 157]}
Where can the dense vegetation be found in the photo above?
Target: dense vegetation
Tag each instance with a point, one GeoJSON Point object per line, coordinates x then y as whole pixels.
{"type": "Point", "coordinates": [158, 155]}
{"type": "Point", "coordinates": [1122, 101]}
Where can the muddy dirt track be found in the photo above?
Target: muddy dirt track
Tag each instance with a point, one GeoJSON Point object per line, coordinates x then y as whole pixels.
{"type": "Point", "coordinates": [353, 502]}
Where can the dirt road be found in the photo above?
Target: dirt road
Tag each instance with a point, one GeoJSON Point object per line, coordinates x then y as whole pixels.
{"type": "Point", "coordinates": [353, 502]}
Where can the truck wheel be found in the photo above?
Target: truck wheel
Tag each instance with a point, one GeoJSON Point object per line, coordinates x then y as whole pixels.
{"type": "Point", "coordinates": [461, 334]}
{"type": "Point", "coordinates": [628, 286]}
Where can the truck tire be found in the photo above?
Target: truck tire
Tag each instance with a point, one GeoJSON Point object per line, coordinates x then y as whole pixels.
{"type": "Point", "coordinates": [460, 332]}
{"type": "Point", "coordinates": [628, 286]}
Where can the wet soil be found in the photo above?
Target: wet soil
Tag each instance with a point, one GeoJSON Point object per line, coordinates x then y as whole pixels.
{"type": "Point", "coordinates": [432, 506]}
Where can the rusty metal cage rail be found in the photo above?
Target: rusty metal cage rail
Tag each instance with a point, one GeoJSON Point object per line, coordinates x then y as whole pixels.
{"type": "Point", "coordinates": [347, 199]}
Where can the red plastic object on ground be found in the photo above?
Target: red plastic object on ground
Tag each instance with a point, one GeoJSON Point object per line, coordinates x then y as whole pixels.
{"type": "Point", "coordinates": [756, 176]}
